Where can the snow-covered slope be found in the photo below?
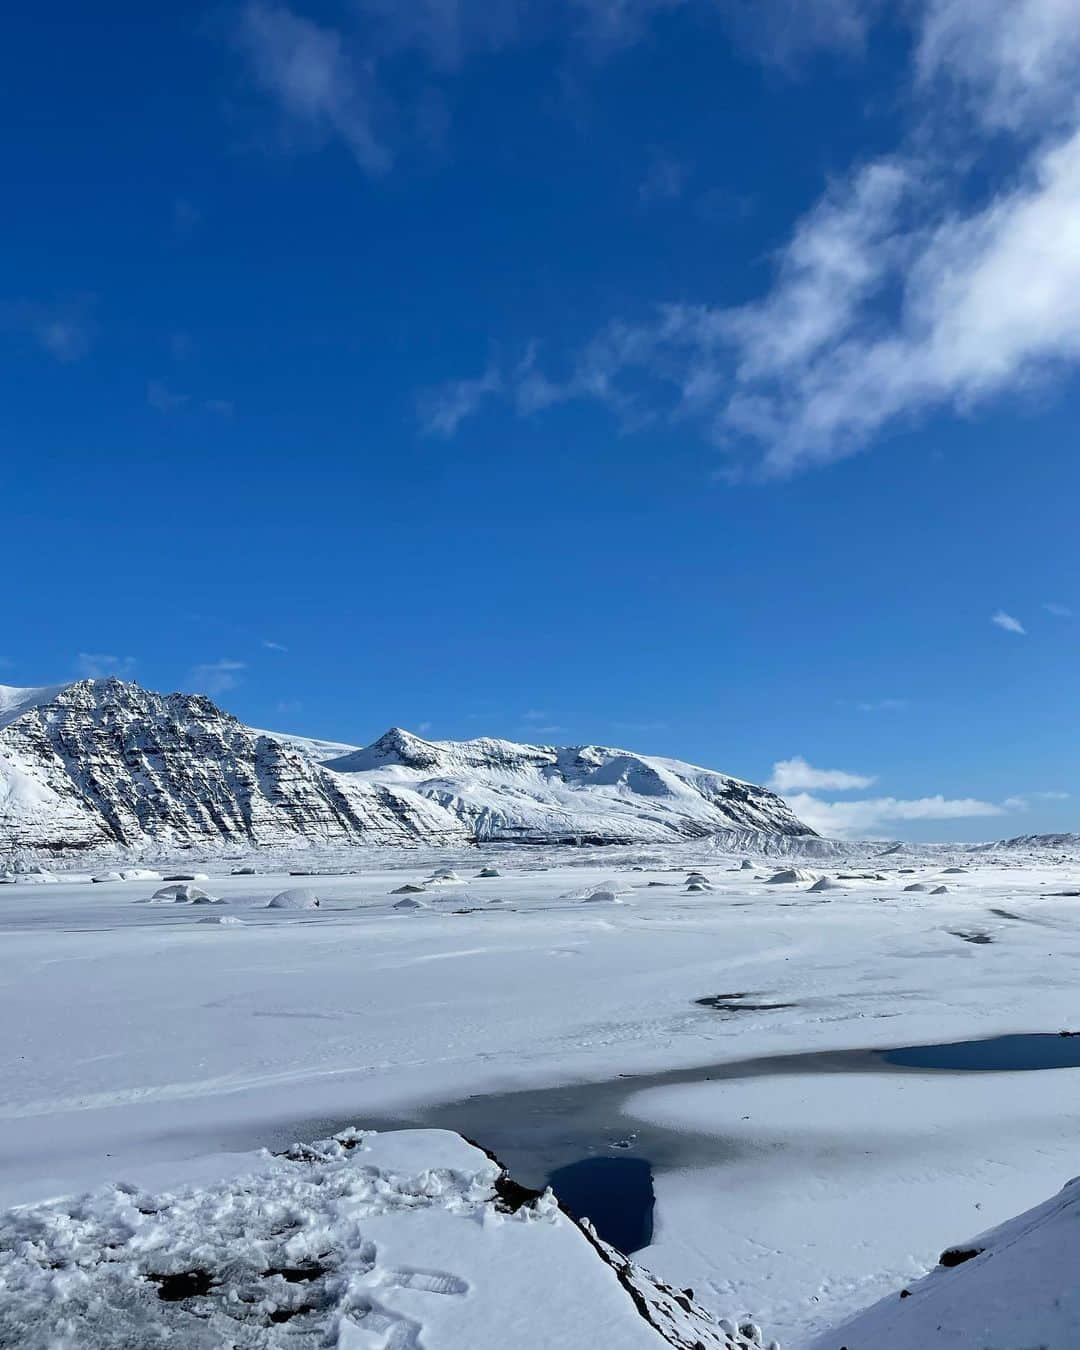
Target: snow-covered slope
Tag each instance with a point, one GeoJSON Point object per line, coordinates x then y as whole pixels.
{"type": "Point", "coordinates": [102, 765]}
{"type": "Point", "coordinates": [543, 793]}
{"type": "Point", "coordinates": [1013, 1287]}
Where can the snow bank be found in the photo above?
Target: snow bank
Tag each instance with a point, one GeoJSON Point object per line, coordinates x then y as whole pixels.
{"type": "Point", "coordinates": [413, 1238]}
{"type": "Point", "coordinates": [789, 876]}
{"type": "Point", "coordinates": [1013, 1287]}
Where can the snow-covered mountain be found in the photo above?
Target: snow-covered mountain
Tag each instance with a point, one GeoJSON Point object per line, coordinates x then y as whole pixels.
{"type": "Point", "coordinates": [101, 765]}
{"type": "Point", "coordinates": [584, 794]}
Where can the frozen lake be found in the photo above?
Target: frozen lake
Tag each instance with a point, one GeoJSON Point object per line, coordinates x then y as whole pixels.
{"type": "Point", "coordinates": [729, 1079]}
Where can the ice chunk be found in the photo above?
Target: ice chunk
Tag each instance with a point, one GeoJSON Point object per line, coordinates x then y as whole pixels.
{"type": "Point", "coordinates": [183, 894]}
{"type": "Point", "coordinates": [297, 898]}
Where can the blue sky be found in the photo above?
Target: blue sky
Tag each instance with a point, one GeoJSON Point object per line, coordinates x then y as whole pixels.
{"type": "Point", "coordinates": [693, 375]}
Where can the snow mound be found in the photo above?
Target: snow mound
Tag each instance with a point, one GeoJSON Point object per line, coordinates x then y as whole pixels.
{"type": "Point", "coordinates": [225, 921]}
{"type": "Point", "coordinates": [1012, 1287]}
{"type": "Point", "coordinates": [243, 872]}
{"type": "Point", "coordinates": [789, 876]}
{"type": "Point", "coordinates": [746, 865]}
{"type": "Point", "coordinates": [409, 889]}
{"type": "Point", "coordinates": [698, 878]}
{"type": "Point", "coordinates": [940, 890]}
{"type": "Point", "coordinates": [952, 871]}
{"type": "Point", "coordinates": [297, 898]}
{"type": "Point", "coordinates": [363, 1241]}
{"type": "Point", "coordinates": [917, 886]}
{"type": "Point", "coordinates": [410, 902]}
{"type": "Point", "coordinates": [489, 872]}
{"type": "Point", "coordinates": [602, 896]}
{"type": "Point", "coordinates": [186, 876]}
{"type": "Point", "coordinates": [826, 884]}
{"type": "Point", "coordinates": [183, 894]}
{"type": "Point", "coordinates": [444, 876]}
{"type": "Point", "coordinates": [696, 887]}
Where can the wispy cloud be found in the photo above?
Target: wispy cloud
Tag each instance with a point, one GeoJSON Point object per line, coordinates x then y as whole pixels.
{"type": "Point", "coordinates": [66, 330]}
{"type": "Point", "coordinates": [912, 286]}
{"type": "Point", "coordinates": [882, 705]}
{"type": "Point", "coordinates": [1007, 622]}
{"type": "Point", "coordinates": [444, 408]}
{"type": "Point", "coordinates": [163, 399]}
{"type": "Point", "coordinates": [99, 666]}
{"type": "Point", "coordinates": [1057, 609]}
{"type": "Point", "coordinates": [791, 774]}
{"type": "Point", "coordinates": [861, 817]}
{"type": "Point", "coordinates": [322, 88]}
{"type": "Point", "coordinates": [216, 677]}
{"type": "Point", "coordinates": [274, 646]}
{"type": "Point", "coordinates": [664, 180]}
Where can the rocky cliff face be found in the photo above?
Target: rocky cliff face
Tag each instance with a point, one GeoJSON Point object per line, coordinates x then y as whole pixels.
{"type": "Point", "coordinates": [105, 764]}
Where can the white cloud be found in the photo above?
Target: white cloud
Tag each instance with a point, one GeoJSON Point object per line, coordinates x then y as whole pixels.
{"type": "Point", "coordinates": [1057, 609]}
{"type": "Point", "coordinates": [274, 646]}
{"type": "Point", "coordinates": [1007, 622]}
{"type": "Point", "coordinates": [216, 677]}
{"type": "Point", "coordinates": [791, 774]}
{"type": "Point", "coordinates": [320, 87]}
{"type": "Point", "coordinates": [664, 180]}
{"type": "Point", "coordinates": [423, 728]}
{"type": "Point", "coordinates": [160, 397]}
{"type": "Point", "coordinates": [99, 666]}
{"type": "Point", "coordinates": [882, 705]}
{"type": "Point", "coordinates": [442, 410]}
{"type": "Point", "coordinates": [1014, 59]}
{"type": "Point", "coordinates": [908, 288]}
{"type": "Point", "coordinates": [65, 330]}
{"type": "Point", "coordinates": [859, 818]}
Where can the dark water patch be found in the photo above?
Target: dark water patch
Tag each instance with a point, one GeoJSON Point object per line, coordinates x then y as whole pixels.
{"type": "Point", "coordinates": [183, 1284]}
{"type": "Point", "coordinates": [998, 1054]}
{"type": "Point", "coordinates": [734, 1003]}
{"type": "Point", "coordinates": [614, 1194]}
{"type": "Point", "coordinates": [978, 938]}
{"type": "Point", "coordinates": [551, 1134]}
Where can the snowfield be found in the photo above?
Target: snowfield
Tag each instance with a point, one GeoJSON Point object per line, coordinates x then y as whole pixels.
{"type": "Point", "coordinates": [721, 1036]}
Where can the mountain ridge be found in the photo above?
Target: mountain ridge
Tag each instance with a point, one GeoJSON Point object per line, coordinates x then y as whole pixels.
{"type": "Point", "coordinates": [102, 765]}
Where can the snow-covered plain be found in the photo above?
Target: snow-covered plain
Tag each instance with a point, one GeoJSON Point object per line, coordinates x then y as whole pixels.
{"type": "Point", "coordinates": [793, 1182]}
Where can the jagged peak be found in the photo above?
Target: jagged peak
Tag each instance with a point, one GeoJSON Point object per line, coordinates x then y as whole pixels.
{"type": "Point", "coordinates": [103, 692]}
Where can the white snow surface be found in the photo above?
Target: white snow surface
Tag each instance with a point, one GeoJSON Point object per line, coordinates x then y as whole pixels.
{"type": "Point", "coordinates": [360, 1241]}
{"type": "Point", "coordinates": [790, 1186]}
{"type": "Point", "coordinates": [1014, 1287]}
